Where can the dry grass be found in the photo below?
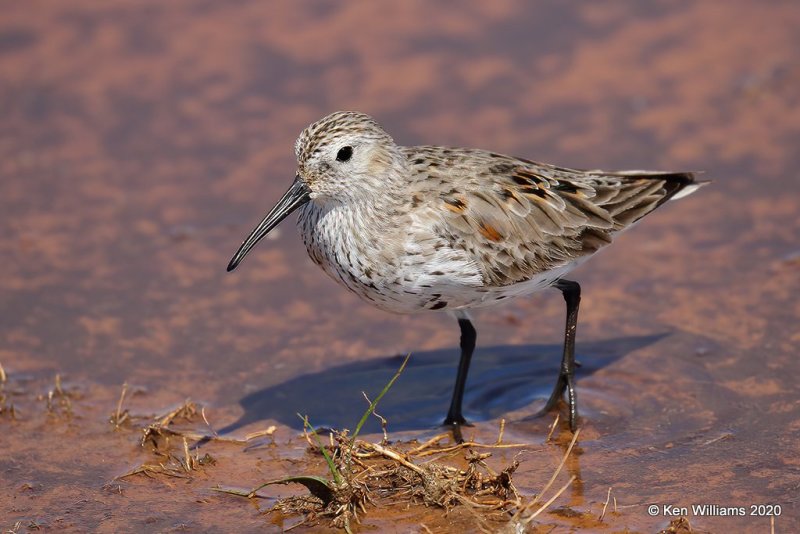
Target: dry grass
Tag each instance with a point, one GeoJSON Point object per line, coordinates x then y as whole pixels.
{"type": "Point", "coordinates": [120, 416]}
{"type": "Point", "coordinates": [171, 445]}
{"type": "Point", "coordinates": [59, 399]}
{"type": "Point", "coordinates": [605, 505]}
{"type": "Point", "coordinates": [428, 474]}
{"type": "Point", "coordinates": [174, 461]}
{"type": "Point", "coordinates": [362, 474]}
{"type": "Point", "coordinates": [157, 426]}
{"type": "Point", "coordinates": [365, 473]}
{"type": "Point", "coordinates": [7, 407]}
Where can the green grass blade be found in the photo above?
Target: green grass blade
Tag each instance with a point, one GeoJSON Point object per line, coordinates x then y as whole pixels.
{"type": "Point", "coordinates": [374, 403]}
{"type": "Point", "coordinates": [335, 472]}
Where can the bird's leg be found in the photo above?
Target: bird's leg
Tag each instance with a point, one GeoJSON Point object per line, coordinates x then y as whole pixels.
{"type": "Point", "coordinates": [468, 337]}
{"type": "Point", "coordinates": [566, 375]}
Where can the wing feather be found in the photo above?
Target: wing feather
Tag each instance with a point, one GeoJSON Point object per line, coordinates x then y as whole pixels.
{"type": "Point", "coordinates": [518, 218]}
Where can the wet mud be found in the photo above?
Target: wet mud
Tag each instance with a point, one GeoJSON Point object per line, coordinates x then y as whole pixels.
{"type": "Point", "coordinates": [140, 142]}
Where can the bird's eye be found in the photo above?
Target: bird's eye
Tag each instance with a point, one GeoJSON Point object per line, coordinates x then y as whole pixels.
{"type": "Point", "coordinates": [344, 153]}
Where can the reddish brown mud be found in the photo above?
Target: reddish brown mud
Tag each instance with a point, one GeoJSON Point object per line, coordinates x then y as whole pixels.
{"type": "Point", "coordinates": [141, 141]}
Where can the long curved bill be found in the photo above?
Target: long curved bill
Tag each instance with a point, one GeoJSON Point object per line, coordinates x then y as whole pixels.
{"type": "Point", "coordinates": [296, 196]}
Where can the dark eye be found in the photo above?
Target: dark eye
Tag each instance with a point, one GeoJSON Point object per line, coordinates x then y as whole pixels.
{"type": "Point", "coordinates": [344, 153]}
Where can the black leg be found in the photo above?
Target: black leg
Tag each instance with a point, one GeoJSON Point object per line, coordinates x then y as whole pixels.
{"type": "Point", "coordinates": [468, 337]}
{"type": "Point", "coordinates": [566, 375]}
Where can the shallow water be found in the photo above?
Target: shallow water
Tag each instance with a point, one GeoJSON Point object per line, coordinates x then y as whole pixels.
{"type": "Point", "coordinates": [141, 141]}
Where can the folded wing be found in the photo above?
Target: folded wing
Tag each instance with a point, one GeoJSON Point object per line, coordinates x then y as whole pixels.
{"type": "Point", "coordinates": [535, 217]}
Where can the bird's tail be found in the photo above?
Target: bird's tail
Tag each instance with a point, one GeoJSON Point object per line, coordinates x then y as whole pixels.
{"type": "Point", "coordinates": [676, 184]}
{"type": "Point", "coordinates": [686, 187]}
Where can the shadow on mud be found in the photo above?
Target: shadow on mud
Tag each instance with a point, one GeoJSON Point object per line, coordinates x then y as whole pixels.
{"type": "Point", "coordinates": [502, 379]}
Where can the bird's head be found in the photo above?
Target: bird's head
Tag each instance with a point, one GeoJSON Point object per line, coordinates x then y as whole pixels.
{"type": "Point", "coordinates": [344, 157]}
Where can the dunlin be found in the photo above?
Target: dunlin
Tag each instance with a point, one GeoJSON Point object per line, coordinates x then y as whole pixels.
{"type": "Point", "coordinates": [430, 229]}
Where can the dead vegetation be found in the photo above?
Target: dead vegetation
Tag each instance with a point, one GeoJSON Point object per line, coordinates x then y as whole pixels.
{"type": "Point", "coordinates": [120, 416]}
{"type": "Point", "coordinates": [374, 473]}
{"type": "Point", "coordinates": [363, 473]}
{"type": "Point", "coordinates": [162, 435]}
{"type": "Point", "coordinates": [58, 399]}
{"type": "Point", "coordinates": [7, 408]}
{"type": "Point", "coordinates": [161, 439]}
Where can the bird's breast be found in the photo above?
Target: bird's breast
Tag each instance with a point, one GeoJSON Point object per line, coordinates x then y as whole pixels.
{"type": "Point", "coordinates": [397, 267]}
{"type": "Point", "coordinates": [351, 247]}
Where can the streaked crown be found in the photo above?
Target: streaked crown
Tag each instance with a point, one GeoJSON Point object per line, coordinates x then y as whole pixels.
{"type": "Point", "coordinates": [344, 154]}
{"type": "Point", "coordinates": [331, 129]}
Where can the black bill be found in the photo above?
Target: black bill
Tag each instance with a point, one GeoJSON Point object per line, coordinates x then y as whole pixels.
{"type": "Point", "coordinates": [296, 196]}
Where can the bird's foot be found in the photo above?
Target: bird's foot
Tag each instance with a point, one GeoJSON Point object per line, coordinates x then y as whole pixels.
{"type": "Point", "coordinates": [565, 383]}
{"type": "Point", "coordinates": [455, 423]}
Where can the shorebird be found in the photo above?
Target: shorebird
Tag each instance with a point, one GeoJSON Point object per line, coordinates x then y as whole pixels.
{"type": "Point", "coordinates": [414, 229]}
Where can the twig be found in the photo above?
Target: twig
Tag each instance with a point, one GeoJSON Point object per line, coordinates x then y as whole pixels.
{"type": "Point", "coordinates": [726, 435]}
{"type": "Point", "coordinates": [502, 429]}
{"type": "Point", "coordinates": [188, 457]}
{"type": "Point", "coordinates": [146, 469]}
{"type": "Point", "coordinates": [470, 444]}
{"type": "Point", "coordinates": [269, 431]}
{"type": "Point", "coordinates": [553, 498]}
{"type": "Point", "coordinates": [307, 436]}
{"type": "Point", "coordinates": [555, 474]}
{"type": "Point", "coordinates": [552, 428]}
{"type": "Point", "coordinates": [434, 440]}
{"type": "Point", "coordinates": [187, 405]}
{"type": "Point", "coordinates": [190, 434]}
{"type": "Point", "coordinates": [389, 453]}
{"type": "Point", "coordinates": [118, 419]}
{"type": "Point", "coordinates": [384, 422]}
{"type": "Point", "coordinates": [205, 419]}
{"type": "Point", "coordinates": [303, 522]}
{"type": "Point", "coordinates": [605, 505]}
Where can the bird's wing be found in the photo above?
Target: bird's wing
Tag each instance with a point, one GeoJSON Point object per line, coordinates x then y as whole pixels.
{"type": "Point", "coordinates": [519, 218]}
